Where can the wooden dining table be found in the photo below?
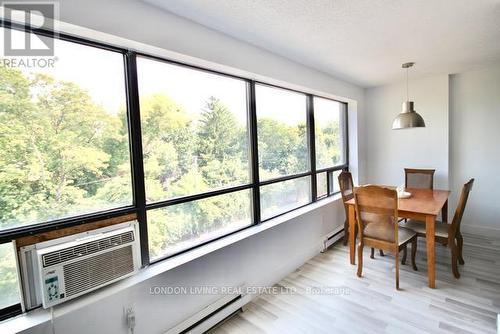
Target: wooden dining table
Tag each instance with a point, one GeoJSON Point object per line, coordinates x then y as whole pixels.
{"type": "Point", "coordinates": [423, 205]}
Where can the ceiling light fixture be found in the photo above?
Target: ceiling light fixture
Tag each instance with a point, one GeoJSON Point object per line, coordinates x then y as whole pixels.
{"type": "Point", "coordinates": [408, 118]}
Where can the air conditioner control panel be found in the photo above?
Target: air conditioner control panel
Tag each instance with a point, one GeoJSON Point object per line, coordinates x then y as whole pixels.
{"type": "Point", "coordinates": [52, 287]}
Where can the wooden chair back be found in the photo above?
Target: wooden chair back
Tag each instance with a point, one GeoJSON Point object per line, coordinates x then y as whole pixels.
{"type": "Point", "coordinates": [346, 188]}
{"type": "Point", "coordinates": [419, 178]}
{"type": "Point", "coordinates": [378, 206]}
{"type": "Point", "coordinates": [459, 212]}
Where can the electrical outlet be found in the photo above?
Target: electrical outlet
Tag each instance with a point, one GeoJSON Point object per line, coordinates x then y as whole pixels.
{"type": "Point", "coordinates": [129, 315]}
{"type": "Point", "coordinates": [127, 308]}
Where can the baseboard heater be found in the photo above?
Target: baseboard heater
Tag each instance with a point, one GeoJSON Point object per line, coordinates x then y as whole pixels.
{"type": "Point", "coordinates": [195, 322]}
{"type": "Point", "coordinates": [332, 238]}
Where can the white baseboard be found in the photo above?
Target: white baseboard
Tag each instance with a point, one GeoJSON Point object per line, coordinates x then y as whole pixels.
{"type": "Point", "coordinates": [481, 230]}
{"type": "Point", "coordinates": [221, 315]}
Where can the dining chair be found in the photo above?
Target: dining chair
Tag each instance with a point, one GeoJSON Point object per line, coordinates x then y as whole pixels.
{"type": "Point", "coordinates": [448, 233]}
{"type": "Point", "coordinates": [419, 178]}
{"type": "Point", "coordinates": [346, 186]}
{"type": "Point", "coordinates": [377, 217]}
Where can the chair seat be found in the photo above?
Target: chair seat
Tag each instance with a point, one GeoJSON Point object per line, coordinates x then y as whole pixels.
{"type": "Point", "coordinates": [441, 229]}
{"type": "Point", "coordinates": [381, 232]}
{"type": "Point", "coordinates": [405, 234]}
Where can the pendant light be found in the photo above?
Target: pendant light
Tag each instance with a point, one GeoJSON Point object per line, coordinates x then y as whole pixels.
{"type": "Point", "coordinates": [408, 118]}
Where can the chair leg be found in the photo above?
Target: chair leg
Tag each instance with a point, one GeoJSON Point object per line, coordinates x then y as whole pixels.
{"type": "Point", "coordinates": [372, 253]}
{"type": "Point", "coordinates": [397, 270]}
{"type": "Point", "coordinates": [454, 259]}
{"type": "Point", "coordinates": [346, 231]}
{"type": "Point", "coordinates": [414, 254]}
{"type": "Point", "coordinates": [460, 245]}
{"type": "Point", "coordinates": [360, 259]}
{"type": "Point", "coordinates": [405, 253]}
{"type": "Point", "coordinates": [381, 252]}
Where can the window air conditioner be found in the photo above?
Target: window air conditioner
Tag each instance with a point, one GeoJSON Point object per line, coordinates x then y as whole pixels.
{"type": "Point", "coordinates": [58, 270]}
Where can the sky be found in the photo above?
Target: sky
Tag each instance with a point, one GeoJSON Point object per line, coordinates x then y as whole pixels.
{"type": "Point", "coordinates": [101, 73]}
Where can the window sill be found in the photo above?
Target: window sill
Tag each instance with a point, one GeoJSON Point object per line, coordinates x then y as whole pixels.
{"type": "Point", "coordinates": [39, 316]}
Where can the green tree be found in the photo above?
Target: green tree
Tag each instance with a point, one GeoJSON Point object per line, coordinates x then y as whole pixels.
{"type": "Point", "coordinates": [57, 146]}
{"type": "Point", "coordinates": [168, 144]}
{"type": "Point", "coordinates": [282, 148]}
{"type": "Point", "coordinates": [328, 145]}
{"type": "Point", "coordinates": [222, 146]}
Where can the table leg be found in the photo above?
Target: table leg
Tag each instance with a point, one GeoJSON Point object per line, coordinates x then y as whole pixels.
{"type": "Point", "coordinates": [444, 213]}
{"type": "Point", "coordinates": [430, 222]}
{"type": "Point", "coordinates": [352, 234]}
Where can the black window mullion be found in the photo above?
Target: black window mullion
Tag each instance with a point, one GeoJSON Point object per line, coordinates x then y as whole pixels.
{"type": "Point", "coordinates": [328, 182]}
{"type": "Point", "coordinates": [195, 197]}
{"type": "Point", "coordinates": [254, 151]}
{"type": "Point", "coordinates": [134, 116]}
{"type": "Point", "coordinates": [284, 178]}
{"type": "Point", "coordinates": [311, 146]}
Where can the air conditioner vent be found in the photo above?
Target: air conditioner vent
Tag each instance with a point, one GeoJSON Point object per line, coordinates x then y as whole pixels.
{"type": "Point", "coordinates": [64, 255]}
{"type": "Point", "coordinates": [93, 271]}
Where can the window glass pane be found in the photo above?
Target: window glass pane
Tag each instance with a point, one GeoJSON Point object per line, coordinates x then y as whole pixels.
{"type": "Point", "coordinates": [322, 187]}
{"type": "Point", "coordinates": [334, 184]}
{"type": "Point", "coordinates": [194, 130]}
{"type": "Point", "coordinates": [9, 288]}
{"type": "Point", "coordinates": [284, 196]}
{"type": "Point", "coordinates": [63, 136]}
{"type": "Point", "coordinates": [179, 227]}
{"type": "Point", "coordinates": [282, 132]}
{"type": "Point", "coordinates": [329, 131]}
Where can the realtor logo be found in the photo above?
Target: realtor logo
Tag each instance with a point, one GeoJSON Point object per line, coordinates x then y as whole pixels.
{"type": "Point", "coordinates": [35, 15]}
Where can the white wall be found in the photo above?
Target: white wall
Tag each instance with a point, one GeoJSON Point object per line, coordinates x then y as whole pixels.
{"type": "Point", "coordinates": [260, 260]}
{"type": "Point", "coordinates": [389, 151]}
{"type": "Point", "coordinates": [461, 140]}
{"type": "Point", "coordinates": [475, 146]}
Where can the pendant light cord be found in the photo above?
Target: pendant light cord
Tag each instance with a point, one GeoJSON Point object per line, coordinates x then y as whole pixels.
{"type": "Point", "coordinates": [407, 90]}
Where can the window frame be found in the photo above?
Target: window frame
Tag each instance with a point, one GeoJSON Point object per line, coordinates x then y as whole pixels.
{"type": "Point", "coordinates": [139, 206]}
{"type": "Point", "coordinates": [345, 129]}
{"type": "Point", "coordinates": [212, 192]}
{"type": "Point", "coordinates": [311, 149]}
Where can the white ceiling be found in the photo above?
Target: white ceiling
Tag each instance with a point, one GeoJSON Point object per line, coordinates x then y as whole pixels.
{"type": "Point", "coordinates": [361, 41]}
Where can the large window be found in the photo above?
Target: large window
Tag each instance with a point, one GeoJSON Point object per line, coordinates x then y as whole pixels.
{"type": "Point", "coordinates": [63, 137]}
{"type": "Point", "coordinates": [282, 132]}
{"type": "Point", "coordinates": [329, 133]}
{"type": "Point", "coordinates": [284, 196]}
{"type": "Point", "coordinates": [195, 139]}
{"type": "Point", "coordinates": [175, 228]}
{"type": "Point", "coordinates": [283, 150]}
{"type": "Point", "coordinates": [196, 155]}
{"type": "Point", "coordinates": [194, 130]}
{"type": "Point", "coordinates": [330, 138]}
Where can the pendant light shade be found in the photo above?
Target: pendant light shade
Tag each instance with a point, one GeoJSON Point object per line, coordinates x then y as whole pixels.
{"type": "Point", "coordinates": [408, 118]}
